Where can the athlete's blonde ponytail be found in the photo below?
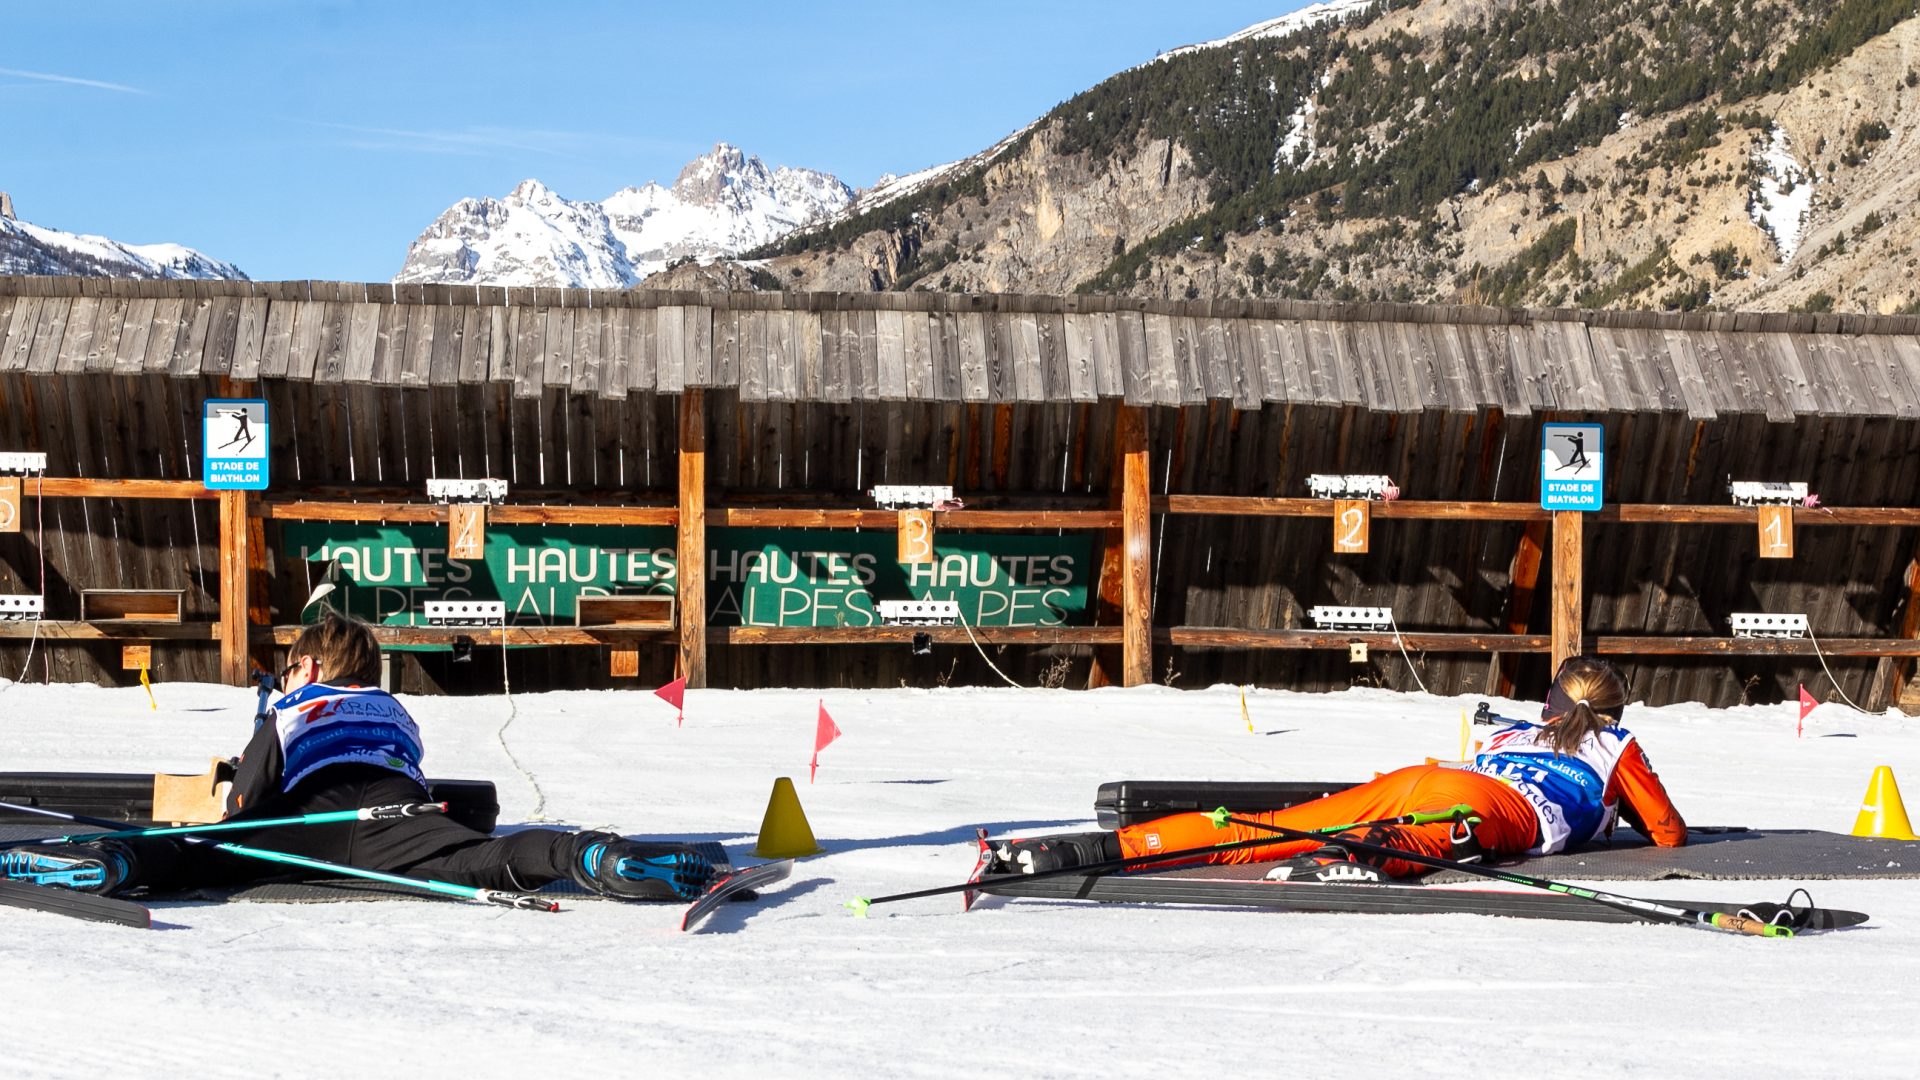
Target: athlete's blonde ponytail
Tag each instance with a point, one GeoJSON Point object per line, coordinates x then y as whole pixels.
{"type": "Point", "coordinates": [1586, 698]}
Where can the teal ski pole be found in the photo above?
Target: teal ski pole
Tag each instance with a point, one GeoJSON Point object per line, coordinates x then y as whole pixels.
{"type": "Point", "coordinates": [365, 813]}
{"type": "Point", "coordinates": [519, 901]}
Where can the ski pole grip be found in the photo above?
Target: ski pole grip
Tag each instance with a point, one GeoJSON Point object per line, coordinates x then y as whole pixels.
{"type": "Point", "coordinates": [1740, 924]}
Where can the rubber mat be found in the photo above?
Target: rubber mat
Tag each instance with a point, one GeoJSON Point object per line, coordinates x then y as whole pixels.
{"type": "Point", "coordinates": [1711, 854]}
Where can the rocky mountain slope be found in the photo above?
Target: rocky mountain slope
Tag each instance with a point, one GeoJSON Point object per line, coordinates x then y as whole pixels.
{"type": "Point", "coordinates": [33, 249]}
{"type": "Point", "coordinates": [723, 202]}
{"type": "Point", "coordinates": [1680, 154]}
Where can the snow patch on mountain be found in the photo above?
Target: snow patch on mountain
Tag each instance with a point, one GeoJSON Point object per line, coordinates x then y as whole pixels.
{"type": "Point", "coordinates": [1783, 196]}
{"type": "Point", "coordinates": [34, 249]}
{"type": "Point", "coordinates": [1311, 15]}
{"type": "Point", "coordinates": [723, 202]}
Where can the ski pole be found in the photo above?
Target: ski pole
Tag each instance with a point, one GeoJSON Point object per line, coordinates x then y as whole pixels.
{"type": "Point", "coordinates": [1714, 920]}
{"type": "Point", "coordinates": [365, 813]}
{"type": "Point", "coordinates": [520, 901]}
{"type": "Point", "coordinates": [859, 905]}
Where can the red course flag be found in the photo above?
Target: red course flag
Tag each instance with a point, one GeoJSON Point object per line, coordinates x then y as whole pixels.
{"type": "Point", "coordinates": [1807, 705]}
{"type": "Point", "coordinates": [674, 694]}
{"type": "Point", "coordinates": [824, 732]}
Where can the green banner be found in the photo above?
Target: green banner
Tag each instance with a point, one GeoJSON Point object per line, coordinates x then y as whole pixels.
{"type": "Point", "coordinates": [755, 577]}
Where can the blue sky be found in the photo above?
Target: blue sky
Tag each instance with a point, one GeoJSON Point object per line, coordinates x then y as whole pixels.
{"type": "Point", "coordinates": [317, 139]}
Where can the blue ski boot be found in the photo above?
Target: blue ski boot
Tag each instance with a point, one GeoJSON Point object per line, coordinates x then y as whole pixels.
{"type": "Point", "coordinates": [94, 868]}
{"type": "Point", "coordinates": [612, 866]}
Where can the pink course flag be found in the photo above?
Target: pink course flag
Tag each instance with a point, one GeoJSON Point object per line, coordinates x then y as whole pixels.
{"type": "Point", "coordinates": [1807, 705]}
{"type": "Point", "coordinates": [824, 732]}
{"type": "Point", "coordinates": [675, 694]}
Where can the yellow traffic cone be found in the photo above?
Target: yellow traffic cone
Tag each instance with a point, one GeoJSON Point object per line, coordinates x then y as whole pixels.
{"type": "Point", "coordinates": [784, 832]}
{"type": "Point", "coordinates": [1882, 814]}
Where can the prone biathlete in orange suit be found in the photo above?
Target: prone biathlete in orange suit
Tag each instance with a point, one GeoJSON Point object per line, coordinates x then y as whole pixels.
{"type": "Point", "coordinates": [1536, 788]}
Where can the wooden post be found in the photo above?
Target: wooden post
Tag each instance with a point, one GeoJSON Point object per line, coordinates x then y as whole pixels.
{"type": "Point", "coordinates": [691, 570]}
{"type": "Point", "coordinates": [233, 587]}
{"type": "Point", "coordinates": [1776, 532]}
{"type": "Point", "coordinates": [1567, 576]}
{"type": "Point", "coordinates": [1352, 521]}
{"type": "Point", "coordinates": [259, 605]}
{"type": "Point", "coordinates": [1899, 670]}
{"type": "Point", "coordinates": [1136, 528]}
{"type": "Point", "coordinates": [1523, 578]}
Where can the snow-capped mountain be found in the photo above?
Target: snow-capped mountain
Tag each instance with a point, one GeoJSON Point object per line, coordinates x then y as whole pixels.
{"type": "Point", "coordinates": [32, 249]}
{"type": "Point", "coordinates": [723, 202]}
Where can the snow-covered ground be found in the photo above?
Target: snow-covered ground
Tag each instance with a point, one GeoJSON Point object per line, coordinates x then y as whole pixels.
{"type": "Point", "coordinates": [794, 986]}
{"type": "Point", "coordinates": [1783, 196]}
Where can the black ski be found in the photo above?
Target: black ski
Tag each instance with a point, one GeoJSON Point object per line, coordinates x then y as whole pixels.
{"type": "Point", "coordinates": [75, 905]}
{"type": "Point", "coordinates": [1377, 899]}
{"type": "Point", "coordinates": [731, 885]}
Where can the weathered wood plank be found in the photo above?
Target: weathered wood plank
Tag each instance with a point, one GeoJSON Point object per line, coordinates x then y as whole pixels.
{"type": "Point", "coordinates": [529, 360]}
{"type": "Point", "coordinates": [43, 357]}
{"type": "Point", "coordinates": [189, 349]}
{"type": "Point", "coordinates": [975, 383]}
{"type": "Point", "coordinates": [919, 378]}
{"type": "Point", "coordinates": [1076, 342]}
{"type": "Point", "coordinates": [890, 355]}
{"type": "Point", "coordinates": [670, 336]}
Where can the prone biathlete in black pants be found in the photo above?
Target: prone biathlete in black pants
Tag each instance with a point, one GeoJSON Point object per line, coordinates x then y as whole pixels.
{"type": "Point", "coordinates": [335, 742]}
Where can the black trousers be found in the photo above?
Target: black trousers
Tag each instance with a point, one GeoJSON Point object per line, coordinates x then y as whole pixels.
{"type": "Point", "coordinates": [432, 846]}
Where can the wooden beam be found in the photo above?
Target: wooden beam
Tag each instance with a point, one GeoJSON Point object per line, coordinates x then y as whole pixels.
{"type": "Point", "coordinates": [1523, 579]}
{"type": "Point", "coordinates": [691, 571]}
{"type": "Point", "coordinates": [110, 630]}
{"type": "Point", "coordinates": [436, 513]}
{"type": "Point", "coordinates": [766, 517]}
{"type": "Point", "coordinates": [1411, 509]}
{"type": "Point", "coordinates": [1136, 526]}
{"type": "Point", "coordinates": [70, 488]}
{"type": "Point", "coordinates": [234, 562]}
{"type": "Point", "coordinates": [948, 635]}
{"type": "Point", "coordinates": [1567, 584]}
{"type": "Point", "coordinates": [1210, 637]}
{"type": "Point", "coordinates": [1466, 510]}
{"type": "Point", "coordinates": [1732, 646]}
{"type": "Point", "coordinates": [491, 635]}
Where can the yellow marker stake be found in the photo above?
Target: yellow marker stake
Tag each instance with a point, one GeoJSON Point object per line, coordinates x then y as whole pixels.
{"type": "Point", "coordinates": [1244, 714]}
{"type": "Point", "coordinates": [1466, 731]}
{"type": "Point", "coordinates": [149, 686]}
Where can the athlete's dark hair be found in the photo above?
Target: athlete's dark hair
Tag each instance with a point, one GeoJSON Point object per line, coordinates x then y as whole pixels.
{"type": "Point", "coordinates": [1586, 698]}
{"type": "Point", "coordinates": [343, 646]}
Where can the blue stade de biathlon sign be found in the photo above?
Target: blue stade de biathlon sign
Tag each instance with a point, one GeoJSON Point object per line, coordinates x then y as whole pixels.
{"type": "Point", "coordinates": [1572, 466]}
{"type": "Point", "coordinates": [233, 451]}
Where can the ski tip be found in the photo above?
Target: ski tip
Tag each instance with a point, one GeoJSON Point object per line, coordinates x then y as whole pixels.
{"type": "Point", "coordinates": [859, 905]}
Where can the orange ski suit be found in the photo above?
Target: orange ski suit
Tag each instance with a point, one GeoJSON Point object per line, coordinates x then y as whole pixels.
{"type": "Point", "coordinates": [1507, 823]}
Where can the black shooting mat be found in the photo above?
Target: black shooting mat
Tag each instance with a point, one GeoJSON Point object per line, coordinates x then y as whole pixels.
{"type": "Point", "coordinates": [1717, 854]}
{"type": "Point", "coordinates": [300, 887]}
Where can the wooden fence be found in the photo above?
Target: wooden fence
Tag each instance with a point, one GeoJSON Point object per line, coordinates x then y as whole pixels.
{"type": "Point", "coordinates": [1178, 437]}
